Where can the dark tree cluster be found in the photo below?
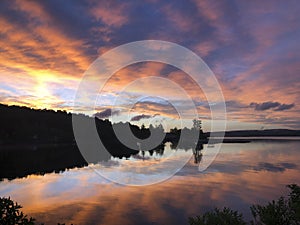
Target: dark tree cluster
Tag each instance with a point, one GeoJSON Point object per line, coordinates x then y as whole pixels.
{"type": "Point", "coordinates": [42, 141]}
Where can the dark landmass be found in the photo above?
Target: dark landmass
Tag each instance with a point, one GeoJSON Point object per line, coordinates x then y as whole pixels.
{"type": "Point", "coordinates": [23, 127]}
{"type": "Point", "coordinates": [42, 141]}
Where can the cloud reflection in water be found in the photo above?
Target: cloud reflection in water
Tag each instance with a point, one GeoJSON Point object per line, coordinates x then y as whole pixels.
{"type": "Point", "coordinates": [241, 175]}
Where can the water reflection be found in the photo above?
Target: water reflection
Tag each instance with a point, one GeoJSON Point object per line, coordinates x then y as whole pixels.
{"type": "Point", "coordinates": [147, 167]}
{"type": "Point", "coordinates": [21, 162]}
{"type": "Point", "coordinates": [241, 175]}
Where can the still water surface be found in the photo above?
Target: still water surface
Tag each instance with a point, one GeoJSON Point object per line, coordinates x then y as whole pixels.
{"type": "Point", "coordinates": [241, 175]}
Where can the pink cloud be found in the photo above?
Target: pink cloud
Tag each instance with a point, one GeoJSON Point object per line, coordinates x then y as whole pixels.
{"type": "Point", "coordinates": [111, 14]}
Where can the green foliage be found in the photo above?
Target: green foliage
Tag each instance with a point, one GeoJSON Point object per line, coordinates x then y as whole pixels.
{"type": "Point", "coordinates": [275, 213]}
{"type": "Point", "coordinates": [218, 217]}
{"type": "Point", "coordinates": [294, 201]}
{"type": "Point", "coordinates": [280, 212]}
{"type": "Point", "coordinates": [10, 213]}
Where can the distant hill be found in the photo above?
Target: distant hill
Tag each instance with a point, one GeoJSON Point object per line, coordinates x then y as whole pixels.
{"type": "Point", "coordinates": [260, 133]}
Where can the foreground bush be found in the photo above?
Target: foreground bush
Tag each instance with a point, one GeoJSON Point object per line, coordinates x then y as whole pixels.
{"type": "Point", "coordinates": [10, 213]}
{"type": "Point", "coordinates": [219, 217]}
{"type": "Point", "coordinates": [281, 212]}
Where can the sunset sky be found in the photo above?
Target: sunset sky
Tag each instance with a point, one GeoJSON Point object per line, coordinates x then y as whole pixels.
{"type": "Point", "coordinates": [251, 46]}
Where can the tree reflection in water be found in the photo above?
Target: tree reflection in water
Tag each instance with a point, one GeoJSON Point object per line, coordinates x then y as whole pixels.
{"type": "Point", "coordinates": [49, 159]}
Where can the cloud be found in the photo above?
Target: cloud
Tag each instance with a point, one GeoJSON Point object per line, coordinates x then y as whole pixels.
{"type": "Point", "coordinates": [162, 108]}
{"type": "Point", "coordinates": [139, 117]}
{"type": "Point", "coordinates": [283, 107]}
{"type": "Point", "coordinates": [247, 47]}
{"type": "Point", "coordinates": [106, 113]}
{"type": "Point", "coordinates": [110, 14]}
{"type": "Point", "coordinates": [265, 166]}
{"type": "Point", "coordinates": [183, 21]}
{"type": "Point", "coordinates": [264, 106]}
{"type": "Point", "coordinates": [276, 106]}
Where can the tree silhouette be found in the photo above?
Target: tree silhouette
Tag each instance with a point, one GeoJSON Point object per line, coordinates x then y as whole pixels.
{"type": "Point", "coordinates": [10, 213]}
{"type": "Point", "coordinates": [197, 124]}
{"type": "Point", "coordinates": [42, 141]}
{"type": "Point", "coordinates": [280, 212]}
{"type": "Point", "coordinates": [225, 216]}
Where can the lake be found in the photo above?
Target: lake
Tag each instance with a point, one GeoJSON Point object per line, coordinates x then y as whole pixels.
{"type": "Point", "coordinates": [242, 174]}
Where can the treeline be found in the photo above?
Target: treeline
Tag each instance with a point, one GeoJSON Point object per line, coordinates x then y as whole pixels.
{"type": "Point", "coordinates": [42, 141]}
{"type": "Point", "coordinates": [23, 125]}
